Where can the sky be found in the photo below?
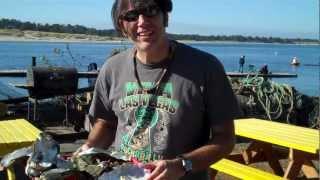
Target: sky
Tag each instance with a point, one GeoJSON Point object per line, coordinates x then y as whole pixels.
{"type": "Point", "coordinates": [276, 18]}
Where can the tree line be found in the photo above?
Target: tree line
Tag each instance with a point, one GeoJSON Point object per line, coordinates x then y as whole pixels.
{"type": "Point", "coordinates": [79, 29]}
{"type": "Point", "coordinates": [238, 38]}
{"type": "Point", "coordinates": [58, 28]}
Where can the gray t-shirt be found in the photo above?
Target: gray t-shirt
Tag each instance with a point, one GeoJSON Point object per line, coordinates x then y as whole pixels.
{"type": "Point", "coordinates": [194, 95]}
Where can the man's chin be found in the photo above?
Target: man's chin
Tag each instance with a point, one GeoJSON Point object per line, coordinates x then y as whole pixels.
{"type": "Point", "coordinates": [145, 45]}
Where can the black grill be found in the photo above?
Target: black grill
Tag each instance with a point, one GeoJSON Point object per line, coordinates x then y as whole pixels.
{"type": "Point", "coordinates": [44, 82]}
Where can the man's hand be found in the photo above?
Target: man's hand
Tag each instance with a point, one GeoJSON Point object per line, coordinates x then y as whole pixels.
{"type": "Point", "coordinates": [82, 148]}
{"type": "Point", "coordinates": [165, 169]}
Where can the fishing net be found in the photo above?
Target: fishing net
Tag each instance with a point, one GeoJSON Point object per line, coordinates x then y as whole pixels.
{"type": "Point", "coordinates": [262, 98]}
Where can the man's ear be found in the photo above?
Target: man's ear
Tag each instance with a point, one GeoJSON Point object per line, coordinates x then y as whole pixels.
{"type": "Point", "coordinates": [123, 31]}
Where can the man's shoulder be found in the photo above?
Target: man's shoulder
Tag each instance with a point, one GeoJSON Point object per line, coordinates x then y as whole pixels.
{"type": "Point", "coordinates": [121, 56]}
{"type": "Point", "coordinates": [195, 55]}
{"type": "Point", "coordinates": [118, 59]}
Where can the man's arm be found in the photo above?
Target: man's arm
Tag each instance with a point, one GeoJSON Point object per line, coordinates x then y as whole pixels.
{"type": "Point", "coordinates": [102, 135]}
{"type": "Point", "coordinates": [219, 146]}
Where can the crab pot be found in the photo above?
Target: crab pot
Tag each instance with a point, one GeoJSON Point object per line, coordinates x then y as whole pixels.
{"type": "Point", "coordinates": [44, 82]}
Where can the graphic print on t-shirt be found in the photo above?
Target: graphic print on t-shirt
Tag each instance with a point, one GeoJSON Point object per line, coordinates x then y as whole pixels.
{"type": "Point", "coordinates": [147, 116]}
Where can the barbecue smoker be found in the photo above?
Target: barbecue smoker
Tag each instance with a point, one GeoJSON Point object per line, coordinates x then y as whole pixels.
{"type": "Point", "coordinates": [46, 82]}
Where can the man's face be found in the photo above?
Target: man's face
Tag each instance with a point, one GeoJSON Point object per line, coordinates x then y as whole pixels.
{"type": "Point", "coordinates": [144, 25]}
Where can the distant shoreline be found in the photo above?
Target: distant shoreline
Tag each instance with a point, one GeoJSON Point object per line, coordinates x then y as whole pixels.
{"type": "Point", "coordinates": [55, 40]}
{"type": "Point", "coordinates": [38, 36]}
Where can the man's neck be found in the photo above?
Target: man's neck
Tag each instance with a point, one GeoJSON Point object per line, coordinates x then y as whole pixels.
{"type": "Point", "coordinates": [155, 55]}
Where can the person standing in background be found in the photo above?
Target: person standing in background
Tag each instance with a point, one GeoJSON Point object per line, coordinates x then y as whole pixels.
{"type": "Point", "coordinates": [241, 63]}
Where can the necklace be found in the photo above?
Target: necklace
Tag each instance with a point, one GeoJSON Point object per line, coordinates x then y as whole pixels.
{"type": "Point", "coordinates": [164, 72]}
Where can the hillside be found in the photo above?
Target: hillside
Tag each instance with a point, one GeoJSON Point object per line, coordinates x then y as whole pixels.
{"type": "Point", "coordinates": [27, 35]}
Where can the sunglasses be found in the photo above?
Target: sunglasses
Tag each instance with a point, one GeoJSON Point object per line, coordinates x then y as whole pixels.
{"type": "Point", "coordinates": [133, 15]}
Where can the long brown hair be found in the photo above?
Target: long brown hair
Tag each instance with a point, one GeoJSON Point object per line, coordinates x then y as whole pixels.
{"type": "Point", "coordinates": [119, 5]}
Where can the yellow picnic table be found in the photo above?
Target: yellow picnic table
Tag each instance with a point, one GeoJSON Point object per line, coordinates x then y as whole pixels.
{"type": "Point", "coordinates": [302, 143]}
{"type": "Point", "coordinates": [15, 134]}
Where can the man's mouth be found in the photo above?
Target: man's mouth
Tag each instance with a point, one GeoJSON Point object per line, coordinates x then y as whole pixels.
{"type": "Point", "coordinates": [145, 34]}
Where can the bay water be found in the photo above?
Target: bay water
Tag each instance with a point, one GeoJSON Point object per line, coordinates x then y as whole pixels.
{"type": "Point", "coordinates": [18, 55]}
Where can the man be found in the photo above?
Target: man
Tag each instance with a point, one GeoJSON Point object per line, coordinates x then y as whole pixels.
{"type": "Point", "coordinates": [264, 69]}
{"type": "Point", "coordinates": [165, 103]}
{"type": "Point", "coordinates": [241, 63]}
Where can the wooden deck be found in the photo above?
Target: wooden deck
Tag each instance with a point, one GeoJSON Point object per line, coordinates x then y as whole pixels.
{"type": "Point", "coordinates": [270, 75]}
{"type": "Point", "coordinates": [23, 73]}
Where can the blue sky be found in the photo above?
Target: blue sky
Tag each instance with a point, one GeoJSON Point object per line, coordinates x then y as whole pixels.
{"type": "Point", "coordinates": [278, 18]}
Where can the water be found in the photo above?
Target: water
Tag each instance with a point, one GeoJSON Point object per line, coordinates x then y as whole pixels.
{"type": "Point", "coordinates": [17, 55]}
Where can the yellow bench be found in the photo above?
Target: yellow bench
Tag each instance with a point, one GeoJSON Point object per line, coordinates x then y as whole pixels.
{"type": "Point", "coordinates": [15, 134]}
{"type": "Point", "coordinates": [303, 145]}
{"type": "Point", "coordinates": [242, 171]}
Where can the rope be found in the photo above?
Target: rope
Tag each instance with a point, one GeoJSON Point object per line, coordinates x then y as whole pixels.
{"type": "Point", "coordinates": [75, 61]}
{"type": "Point", "coordinates": [272, 97]}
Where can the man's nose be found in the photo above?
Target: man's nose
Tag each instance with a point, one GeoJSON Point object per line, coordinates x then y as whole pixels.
{"type": "Point", "coordinates": [141, 19]}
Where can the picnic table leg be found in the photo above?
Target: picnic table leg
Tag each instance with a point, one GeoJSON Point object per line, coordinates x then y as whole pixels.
{"type": "Point", "coordinates": [295, 164]}
{"type": "Point", "coordinates": [300, 160]}
{"type": "Point", "coordinates": [293, 169]}
{"type": "Point", "coordinates": [237, 158]}
{"type": "Point", "coordinates": [273, 159]}
{"type": "Point", "coordinates": [259, 151]}
{"type": "Point", "coordinates": [212, 173]}
{"type": "Point", "coordinates": [252, 152]}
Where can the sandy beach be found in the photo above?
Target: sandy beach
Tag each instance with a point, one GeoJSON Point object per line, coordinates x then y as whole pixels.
{"type": "Point", "coordinates": [38, 36]}
{"type": "Point", "coordinates": [51, 39]}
